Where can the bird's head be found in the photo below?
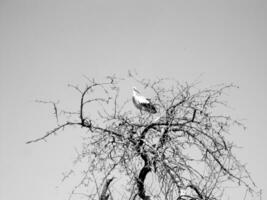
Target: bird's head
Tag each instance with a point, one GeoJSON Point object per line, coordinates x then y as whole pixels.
{"type": "Point", "coordinates": [135, 90]}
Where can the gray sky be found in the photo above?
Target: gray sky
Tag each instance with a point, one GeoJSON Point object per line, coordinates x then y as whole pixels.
{"type": "Point", "coordinates": [44, 45]}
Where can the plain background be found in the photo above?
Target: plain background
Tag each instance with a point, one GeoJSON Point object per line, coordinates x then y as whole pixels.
{"type": "Point", "coordinates": [44, 45]}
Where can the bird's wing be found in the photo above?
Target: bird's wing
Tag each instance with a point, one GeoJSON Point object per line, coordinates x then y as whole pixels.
{"type": "Point", "coordinates": [149, 107]}
{"type": "Point", "coordinates": [142, 100]}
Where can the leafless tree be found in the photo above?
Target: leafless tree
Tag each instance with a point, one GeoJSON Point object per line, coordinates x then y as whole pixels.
{"type": "Point", "coordinates": [180, 153]}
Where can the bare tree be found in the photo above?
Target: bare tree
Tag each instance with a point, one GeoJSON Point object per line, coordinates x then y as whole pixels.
{"type": "Point", "coordinates": [183, 149]}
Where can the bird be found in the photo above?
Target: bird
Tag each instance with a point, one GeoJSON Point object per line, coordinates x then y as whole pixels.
{"type": "Point", "coordinates": [143, 103]}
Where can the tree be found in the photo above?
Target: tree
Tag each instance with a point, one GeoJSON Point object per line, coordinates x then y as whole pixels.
{"type": "Point", "coordinates": [184, 149]}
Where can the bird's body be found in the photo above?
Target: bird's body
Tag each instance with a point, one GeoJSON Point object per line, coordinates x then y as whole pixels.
{"type": "Point", "coordinates": [143, 103]}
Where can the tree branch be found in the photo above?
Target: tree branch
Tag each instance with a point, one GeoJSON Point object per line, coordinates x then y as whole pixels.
{"type": "Point", "coordinates": [52, 132]}
{"type": "Point", "coordinates": [142, 176]}
{"type": "Point", "coordinates": [104, 195]}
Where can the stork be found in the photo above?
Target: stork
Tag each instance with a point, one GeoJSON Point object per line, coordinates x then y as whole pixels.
{"type": "Point", "coordinates": [142, 103]}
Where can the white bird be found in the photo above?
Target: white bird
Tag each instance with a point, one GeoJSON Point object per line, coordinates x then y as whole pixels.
{"type": "Point", "coordinates": [143, 103]}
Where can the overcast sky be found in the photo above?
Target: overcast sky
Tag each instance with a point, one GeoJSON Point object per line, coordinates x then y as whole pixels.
{"type": "Point", "coordinates": [44, 45]}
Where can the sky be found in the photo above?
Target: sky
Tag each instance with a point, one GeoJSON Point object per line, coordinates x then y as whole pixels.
{"type": "Point", "coordinates": [45, 45]}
